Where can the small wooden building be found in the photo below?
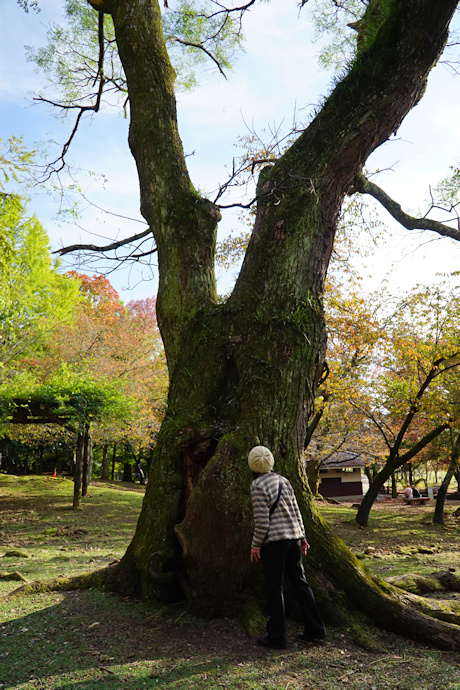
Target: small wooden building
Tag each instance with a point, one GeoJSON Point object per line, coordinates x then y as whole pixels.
{"type": "Point", "coordinates": [341, 476]}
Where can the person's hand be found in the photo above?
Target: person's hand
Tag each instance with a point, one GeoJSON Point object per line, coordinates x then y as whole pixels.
{"type": "Point", "coordinates": [255, 555]}
{"type": "Point", "coordinates": [305, 546]}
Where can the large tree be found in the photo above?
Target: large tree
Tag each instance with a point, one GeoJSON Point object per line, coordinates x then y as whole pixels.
{"type": "Point", "coordinates": [245, 371]}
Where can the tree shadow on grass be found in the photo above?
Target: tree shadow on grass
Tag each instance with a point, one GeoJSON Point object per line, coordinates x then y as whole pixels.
{"type": "Point", "coordinates": [90, 640]}
{"type": "Point", "coordinates": [93, 639]}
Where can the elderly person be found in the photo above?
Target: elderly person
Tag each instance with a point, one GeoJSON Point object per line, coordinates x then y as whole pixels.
{"type": "Point", "coordinates": [279, 541]}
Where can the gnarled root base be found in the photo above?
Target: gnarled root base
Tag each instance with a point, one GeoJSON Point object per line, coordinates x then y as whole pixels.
{"type": "Point", "coordinates": [104, 578]}
{"type": "Point", "coordinates": [441, 581]}
{"type": "Point", "coordinates": [432, 621]}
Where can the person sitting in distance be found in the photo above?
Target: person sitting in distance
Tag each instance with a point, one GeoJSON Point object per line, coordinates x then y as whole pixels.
{"type": "Point", "coordinates": [407, 493]}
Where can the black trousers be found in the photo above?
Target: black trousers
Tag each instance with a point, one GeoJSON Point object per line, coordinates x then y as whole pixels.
{"type": "Point", "coordinates": [279, 557]}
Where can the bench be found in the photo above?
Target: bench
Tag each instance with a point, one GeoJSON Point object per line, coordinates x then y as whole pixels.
{"type": "Point", "coordinates": [420, 500]}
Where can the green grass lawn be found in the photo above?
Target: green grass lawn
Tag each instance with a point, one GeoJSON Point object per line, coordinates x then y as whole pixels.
{"type": "Point", "coordinates": [401, 538]}
{"type": "Point", "coordinates": [91, 639]}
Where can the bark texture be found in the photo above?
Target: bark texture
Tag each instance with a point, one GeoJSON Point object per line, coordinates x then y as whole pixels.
{"type": "Point", "coordinates": [245, 372]}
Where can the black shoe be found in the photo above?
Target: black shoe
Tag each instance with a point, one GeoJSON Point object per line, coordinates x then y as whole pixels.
{"type": "Point", "coordinates": [304, 637]}
{"type": "Point", "coordinates": [266, 641]}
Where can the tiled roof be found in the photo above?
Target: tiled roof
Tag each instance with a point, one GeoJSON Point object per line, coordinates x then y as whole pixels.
{"type": "Point", "coordinates": [343, 458]}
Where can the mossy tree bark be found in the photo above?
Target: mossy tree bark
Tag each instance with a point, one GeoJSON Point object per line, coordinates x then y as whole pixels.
{"type": "Point", "coordinates": [245, 372]}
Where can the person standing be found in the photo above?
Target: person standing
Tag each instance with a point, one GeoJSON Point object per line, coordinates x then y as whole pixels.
{"type": "Point", "coordinates": [279, 542]}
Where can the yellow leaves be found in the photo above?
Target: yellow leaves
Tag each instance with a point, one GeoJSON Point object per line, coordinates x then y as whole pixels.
{"type": "Point", "coordinates": [381, 356]}
{"type": "Point", "coordinates": [232, 249]}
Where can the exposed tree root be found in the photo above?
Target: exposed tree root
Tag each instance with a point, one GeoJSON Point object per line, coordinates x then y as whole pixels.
{"type": "Point", "coordinates": [443, 580]}
{"type": "Point", "coordinates": [431, 621]}
{"type": "Point", "coordinates": [441, 609]}
{"type": "Point", "coordinates": [5, 575]}
{"type": "Point", "coordinates": [436, 622]}
{"type": "Point", "coordinates": [99, 579]}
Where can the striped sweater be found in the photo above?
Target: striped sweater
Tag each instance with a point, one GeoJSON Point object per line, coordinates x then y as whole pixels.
{"type": "Point", "coordinates": [285, 522]}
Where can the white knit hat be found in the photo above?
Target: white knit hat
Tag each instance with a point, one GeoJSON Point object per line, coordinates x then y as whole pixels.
{"type": "Point", "coordinates": [260, 459]}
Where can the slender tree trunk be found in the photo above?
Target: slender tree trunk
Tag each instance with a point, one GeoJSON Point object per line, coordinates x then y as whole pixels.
{"type": "Point", "coordinates": [127, 473]}
{"type": "Point", "coordinates": [78, 469]}
{"type": "Point", "coordinates": [409, 469]}
{"type": "Point", "coordinates": [114, 457]}
{"type": "Point", "coordinates": [139, 470]}
{"type": "Point", "coordinates": [105, 462]}
{"type": "Point", "coordinates": [87, 461]}
{"type": "Point", "coordinates": [394, 487]}
{"type": "Point", "coordinates": [25, 463]}
{"type": "Point", "coordinates": [362, 516]}
{"type": "Point", "coordinates": [457, 479]}
{"type": "Point", "coordinates": [438, 517]}
{"type": "Point", "coordinates": [369, 474]}
{"type": "Point", "coordinates": [40, 460]}
{"type": "Point", "coordinates": [313, 476]}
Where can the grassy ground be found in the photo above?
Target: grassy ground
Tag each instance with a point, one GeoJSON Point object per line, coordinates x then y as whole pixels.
{"type": "Point", "coordinates": [400, 538]}
{"type": "Point", "coordinates": [86, 640]}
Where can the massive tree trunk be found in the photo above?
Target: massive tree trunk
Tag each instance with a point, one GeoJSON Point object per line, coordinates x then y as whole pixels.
{"type": "Point", "coordinates": [245, 372]}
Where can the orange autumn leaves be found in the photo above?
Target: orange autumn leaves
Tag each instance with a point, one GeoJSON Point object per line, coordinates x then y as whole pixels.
{"type": "Point", "coordinates": [108, 342]}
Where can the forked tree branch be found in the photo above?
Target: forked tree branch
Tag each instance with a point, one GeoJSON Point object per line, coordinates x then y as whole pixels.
{"type": "Point", "coordinates": [229, 10]}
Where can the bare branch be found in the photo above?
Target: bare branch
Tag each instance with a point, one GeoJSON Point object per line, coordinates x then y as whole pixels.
{"type": "Point", "coordinates": [100, 35]}
{"type": "Point", "coordinates": [229, 10]}
{"type": "Point", "coordinates": [364, 186]}
{"type": "Point", "coordinates": [200, 46]}
{"type": "Point", "coordinates": [59, 163]}
{"type": "Point", "coordinates": [107, 247]}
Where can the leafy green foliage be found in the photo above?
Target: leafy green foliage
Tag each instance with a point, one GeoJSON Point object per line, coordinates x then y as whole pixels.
{"type": "Point", "coordinates": [331, 18]}
{"type": "Point", "coordinates": [351, 24]}
{"type": "Point", "coordinates": [69, 344]}
{"type": "Point", "coordinates": [105, 366]}
{"type": "Point", "coordinates": [448, 189]}
{"type": "Point", "coordinates": [195, 32]}
{"type": "Point", "coordinates": [29, 5]}
{"type": "Point", "coordinates": [70, 59]}
{"type": "Point", "coordinates": [69, 395]}
{"type": "Point", "coordinates": [33, 294]}
{"type": "Point", "coordinates": [16, 161]}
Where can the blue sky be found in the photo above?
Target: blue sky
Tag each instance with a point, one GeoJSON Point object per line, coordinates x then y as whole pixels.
{"type": "Point", "coordinates": [277, 73]}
